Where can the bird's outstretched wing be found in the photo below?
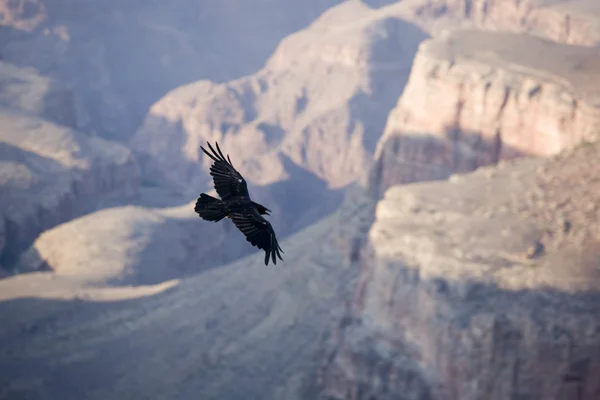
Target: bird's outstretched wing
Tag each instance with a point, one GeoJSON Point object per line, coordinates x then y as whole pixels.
{"type": "Point", "coordinates": [259, 233]}
{"type": "Point", "coordinates": [228, 182]}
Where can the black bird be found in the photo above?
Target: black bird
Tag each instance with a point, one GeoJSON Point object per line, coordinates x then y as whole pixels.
{"type": "Point", "coordinates": [235, 203]}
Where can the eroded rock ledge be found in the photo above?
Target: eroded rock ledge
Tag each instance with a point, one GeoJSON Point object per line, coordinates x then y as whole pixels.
{"type": "Point", "coordinates": [486, 286]}
{"type": "Point", "coordinates": [474, 98]}
{"type": "Point", "coordinates": [568, 21]}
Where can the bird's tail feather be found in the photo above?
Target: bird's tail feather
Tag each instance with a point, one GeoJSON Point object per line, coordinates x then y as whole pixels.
{"type": "Point", "coordinates": [209, 208]}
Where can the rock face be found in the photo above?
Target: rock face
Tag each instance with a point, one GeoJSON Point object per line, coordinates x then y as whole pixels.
{"type": "Point", "coordinates": [486, 286]}
{"type": "Point", "coordinates": [50, 174]}
{"type": "Point", "coordinates": [25, 90]}
{"type": "Point", "coordinates": [568, 21]}
{"type": "Point", "coordinates": [120, 57]}
{"type": "Point", "coordinates": [321, 101]}
{"type": "Point", "coordinates": [474, 98]}
{"type": "Point", "coordinates": [243, 323]}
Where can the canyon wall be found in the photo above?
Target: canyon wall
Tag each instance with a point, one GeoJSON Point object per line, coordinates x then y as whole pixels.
{"type": "Point", "coordinates": [574, 22]}
{"type": "Point", "coordinates": [483, 286]}
{"type": "Point", "coordinates": [475, 97]}
{"type": "Point", "coordinates": [320, 102]}
{"type": "Point", "coordinates": [300, 129]}
{"type": "Point", "coordinates": [119, 58]}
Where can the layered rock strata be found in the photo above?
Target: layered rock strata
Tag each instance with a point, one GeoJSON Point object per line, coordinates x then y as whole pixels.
{"type": "Point", "coordinates": [568, 21]}
{"type": "Point", "coordinates": [485, 286]}
{"type": "Point", "coordinates": [474, 98]}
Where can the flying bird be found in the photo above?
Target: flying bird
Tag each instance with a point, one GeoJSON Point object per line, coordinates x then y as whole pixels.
{"type": "Point", "coordinates": [235, 203]}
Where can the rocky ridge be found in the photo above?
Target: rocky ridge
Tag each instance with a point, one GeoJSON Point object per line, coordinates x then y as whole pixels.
{"type": "Point", "coordinates": [134, 245]}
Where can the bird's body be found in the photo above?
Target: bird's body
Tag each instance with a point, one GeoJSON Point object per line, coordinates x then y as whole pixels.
{"type": "Point", "coordinates": [235, 203]}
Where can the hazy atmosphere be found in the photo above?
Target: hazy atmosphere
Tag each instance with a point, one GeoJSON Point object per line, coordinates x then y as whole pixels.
{"type": "Point", "coordinates": [431, 168]}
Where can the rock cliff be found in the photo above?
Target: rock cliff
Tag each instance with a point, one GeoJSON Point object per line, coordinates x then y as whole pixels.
{"type": "Point", "coordinates": [484, 286]}
{"type": "Point", "coordinates": [321, 101]}
{"type": "Point", "coordinates": [475, 97]}
{"type": "Point", "coordinates": [568, 21]}
{"type": "Point", "coordinates": [50, 174]}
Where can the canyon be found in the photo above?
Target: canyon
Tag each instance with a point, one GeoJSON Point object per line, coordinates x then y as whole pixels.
{"type": "Point", "coordinates": [320, 104]}
{"type": "Point", "coordinates": [221, 332]}
{"type": "Point", "coordinates": [119, 57]}
{"type": "Point", "coordinates": [481, 283]}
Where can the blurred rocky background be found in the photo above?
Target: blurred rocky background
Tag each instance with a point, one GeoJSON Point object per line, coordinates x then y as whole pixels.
{"type": "Point", "coordinates": [431, 166]}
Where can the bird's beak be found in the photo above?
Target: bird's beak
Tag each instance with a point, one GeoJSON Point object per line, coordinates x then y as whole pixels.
{"type": "Point", "coordinates": [267, 211]}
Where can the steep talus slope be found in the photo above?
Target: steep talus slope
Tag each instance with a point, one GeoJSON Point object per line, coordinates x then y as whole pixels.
{"type": "Point", "coordinates": [321, 101]}
{"type": "Point", "coordinates": [242, 331]}
{"type": "Point", "coordinates": [50, 174]}
{"type": "Point", "coordinates": [121, 56]}
{"type": "Point", "coordinates": [475, 97]}
{"type": "Point", "coordinates": [485, 286]}
{"type": "Point", "coordinates": [568, 21]}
